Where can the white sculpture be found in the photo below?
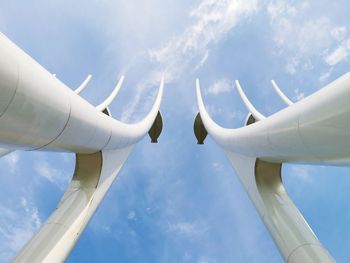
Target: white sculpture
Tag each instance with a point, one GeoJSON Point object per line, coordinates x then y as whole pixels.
{"type": "Point", "coordinates": [38, 112]}
{"type": "Point", "coordinates": [314, 130]}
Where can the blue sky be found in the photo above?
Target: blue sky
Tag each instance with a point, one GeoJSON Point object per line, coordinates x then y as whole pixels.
{"type": "Point", "coordinates": [177, 201]}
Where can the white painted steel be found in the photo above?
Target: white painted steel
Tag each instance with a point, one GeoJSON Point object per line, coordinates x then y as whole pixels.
{"type": "Point", "coordinates": [111, 97]}
{"type": "Point", "coordinates": [40, 112]}
{"type": "Point", "coordinates": [291, 233]}
{"type": "Point", "coordinates": [311, 131]}
{"type": "Point", "coordinates": [257, 115]}
{"type": "Point", "coordinates": [37, 111]}
{"type": "Point", "coordinates": [93, 176]}
{"type": "Point", "coordinates": [281, 94]}
{"type": "Point", "coordinates": [83, 85]}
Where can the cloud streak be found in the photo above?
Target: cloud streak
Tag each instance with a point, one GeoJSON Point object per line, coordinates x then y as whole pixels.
{"type": "Point", "coordinates": [14, 231]}
{"type": "Point", "coordinates": [212, 20]}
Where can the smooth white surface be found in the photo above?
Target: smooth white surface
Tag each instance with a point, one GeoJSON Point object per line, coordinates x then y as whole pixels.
{"type": "Point", "coordinates": [42, 113]}
{"type": "Point", "coordinates": [257, 115]}
{"type": "Point", "coordinates": [293, 236]}
{"type": "Point", "coordinates": [93, 176]}
{"type": "Point", "coordinates": [38, 112]}
{"type": "Point", "coordinates": [313, 130]}
{"type": "Point", "coordinates": [83, 85]}
{"type": "Point", "coordinates": [109, 100]}
{"type": "Point", "coordinates": [281, 94]}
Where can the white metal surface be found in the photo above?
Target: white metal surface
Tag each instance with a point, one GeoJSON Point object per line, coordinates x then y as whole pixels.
{"type": "Point", "coordinates": [93, 176]}
{"type": "Point", "coordinates": [83, 85]}
{"type": "Point", "coordinates": [257, 115]}
{"type": "Point", "coordinates": [111, 97]}
{"type": "Point", "coordinates": [314, 130]}
{"type": "Point", "coordinates": [38, 112]}
{"type": "Point", "coordinates": [281, 94]}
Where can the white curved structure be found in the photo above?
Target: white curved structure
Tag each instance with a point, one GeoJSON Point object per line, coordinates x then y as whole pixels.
{"type": "Point", "coordinates": [250, 107]}
{"type": "Point", "coordinates": [109, 100]}
{"type": "Point", "coordinates": [285, 99]}
{"type": "Point", "coordinates": [83, 85]}
{"type": "Point", "coordinates": [315, 131]}
{"type": "Point", "coordinates": [38, 112]}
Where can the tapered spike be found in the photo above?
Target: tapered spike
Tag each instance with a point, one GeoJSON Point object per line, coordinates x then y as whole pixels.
{"type": "Point", "coordinates": [281, 94]}
{"type": "Point", "coordinates": [209, 124]}
{"type": "Point", "coordinates": [111, 97]}
{"type": "Point", "coordinates": [83, 85]}
{"type": "Point", "coordinates": [257, 115]}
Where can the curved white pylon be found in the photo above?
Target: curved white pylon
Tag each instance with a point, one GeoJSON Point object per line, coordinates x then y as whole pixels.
{"type": "Point", "coordinates": [83, 85]}
{"type": "Point", "coordinates": [93, 176]}
{"type": "Point", "coordinates": [257, 115]}
{"type": "Point", "coordinates": [281, 94]}
{"type": "Point", "coordinates": [209, 124]}
{"type": "Point", "coordinates": [66, 121]}
{"type": "Point", "coordinates": [111, 97]}
{"type": "Point", "coordinates": [262, 181]}
{"type": "Point", "coordinates": [54, 117]}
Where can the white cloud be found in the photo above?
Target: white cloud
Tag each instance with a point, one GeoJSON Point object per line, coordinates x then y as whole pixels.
{"type": "Point", "coordinates": [204, 259]}
{"type": "Point", "coordinates": [339, 54]}
{"type": "Point", "coordinates": [325, 76]}
{"type": "Point", "coordinates": [300, 38]}
{"type": "Point", "coordinates": [12, 161]}
{"type": "Point", "coordinates": [50, 173]}
{"type": "Point", "coordinates": [303, 172]}
{"type": "Point", "coordinates": [220, 86]}
{"type": "Point", "coordinates": [339, 33]}
{"type": "Point", "coordinates": [212, 20]}
{"type": "Point", "coordinates": [189, 229]}
{"type": "Point", "coordinates": [17, 226]}
{"type": "Point", "coordinates": [298, 95]}
{"type": "Point", "coordinates": [131, 215]}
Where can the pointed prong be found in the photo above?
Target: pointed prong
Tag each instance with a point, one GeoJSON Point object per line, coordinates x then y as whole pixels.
{"type": "Point", "coordinates": [210, 125]}
{"type": "Point", "coordinates": [111, 97]}
{"type": "Point", "coordinates": [83, 85]}
{"type": "Point", "coordinates": [257, 115]}
{"type": "Point", "coordinates": [281, 94]}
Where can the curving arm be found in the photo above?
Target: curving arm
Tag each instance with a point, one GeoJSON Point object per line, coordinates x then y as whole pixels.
{"type": "Point", "coordinates": [111, 97]}
{"type": "Point", "coordinates": [257, 115]}
{"type": "Point", "coordinates": [281, 94]}
{"type": "Point", "coordinates": [83, 85]}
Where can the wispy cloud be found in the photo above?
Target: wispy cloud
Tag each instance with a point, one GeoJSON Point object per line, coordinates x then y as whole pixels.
{"type": "Point", "coordinates": [50, 173]}
{"type": "Point", "coordinates": [220, 86]}
{"type": "Point", "coordinates": [17, 225]}
{"type": "Point", "coordinates": [188, 229]}
{"type": "Point", "coordinates": [212, 21]}
{"type": "Point", "coordinates": [12, 160]}
{"type": "Point", "coordinates": [341, 53]}
{"type": "Point", "coordinates": [300, 37]}
{"type": "Point", "coordinates": [188, 51]}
